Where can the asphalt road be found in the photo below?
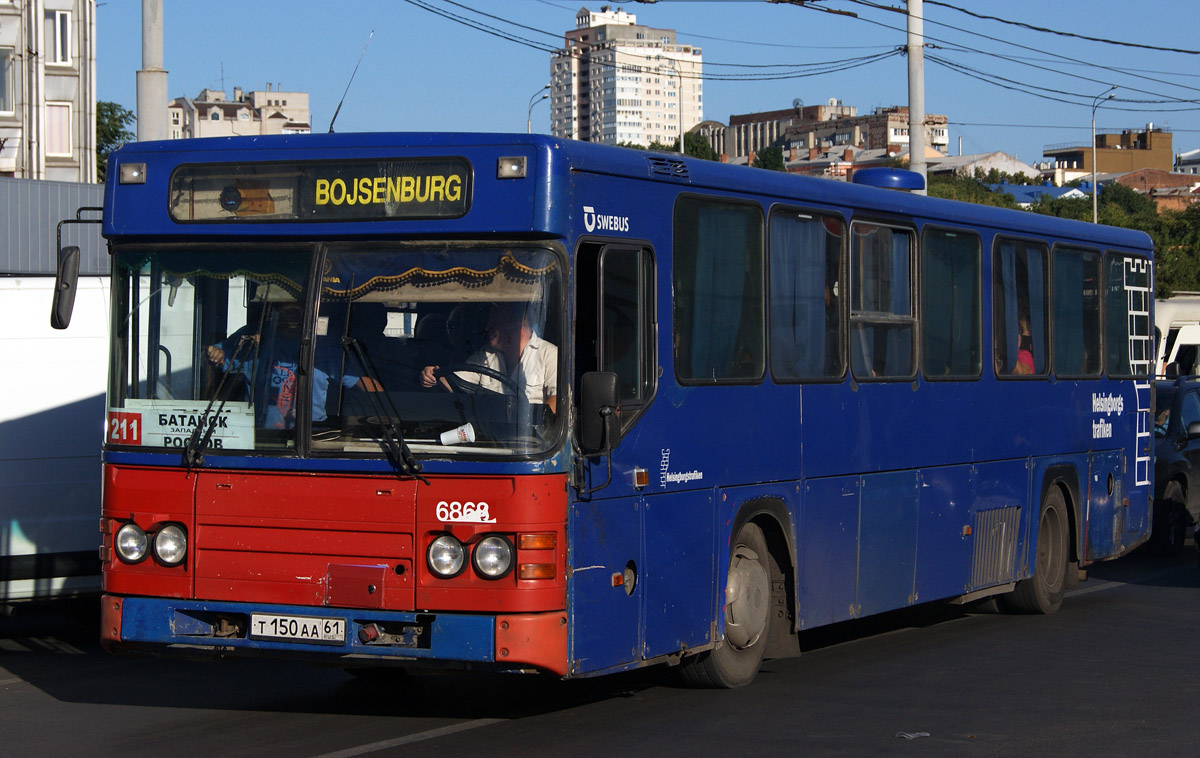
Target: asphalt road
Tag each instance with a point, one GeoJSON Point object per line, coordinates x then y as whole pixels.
{"type": "Point", "coordinates": [1111, 674]}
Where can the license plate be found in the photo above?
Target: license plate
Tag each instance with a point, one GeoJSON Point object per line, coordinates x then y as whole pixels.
{"type": "Point", "coordinates": [297, 628]}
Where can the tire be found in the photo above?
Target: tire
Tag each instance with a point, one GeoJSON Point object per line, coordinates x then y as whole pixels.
{"type": "Point", "coordinates": [1170, 522]}
{"type": "Point", "coordinates": [735, 660]}
{"type": "Point", "coordinates": [1043, 592]}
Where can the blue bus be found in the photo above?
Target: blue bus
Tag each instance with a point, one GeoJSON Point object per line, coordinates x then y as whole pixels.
{"type": "Point", "coordinates": [516, 403]}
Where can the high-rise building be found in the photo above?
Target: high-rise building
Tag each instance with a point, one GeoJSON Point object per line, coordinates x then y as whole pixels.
{"type": "Point", "coordinates": [48, 89]}
{"type": "Point", "coordinates": [614, 81]}
{"type": "Point", "coordinates": [209, 114]}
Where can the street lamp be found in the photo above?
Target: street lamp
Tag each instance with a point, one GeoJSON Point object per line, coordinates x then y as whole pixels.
{"type": "Point", "coordinates": [1107, 94]}
{"type": "Point", "coordinates": [678, 96]}
{"type": "Point", "coordinates": [538, 97]}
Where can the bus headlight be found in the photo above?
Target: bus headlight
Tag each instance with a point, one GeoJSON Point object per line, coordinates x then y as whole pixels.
{"type": "Point", "coordinates": [493, 557]}
{"type": "Point", "coordinates": [446, 556]}
{"type": "Point", "coordinates": [131, 543]}
{"type": "Point", "coordinates": [170, 545]}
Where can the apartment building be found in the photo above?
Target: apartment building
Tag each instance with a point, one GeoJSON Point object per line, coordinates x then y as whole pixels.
{"type": "Point", "coordinates": [615, 81]}
{"type": "Point", "coordinates": [1116, 153]}
{"type": "Point", "coordinates": [210, 114]}
{"type": "Point", "coordinates": [831, 125]}
{"type": "Point", "coordinates": [48, 89]}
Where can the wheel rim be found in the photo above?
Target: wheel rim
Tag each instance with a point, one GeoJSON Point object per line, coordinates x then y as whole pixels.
{"type": "Point", "coordinates": [1051, 564]}
{"type": "Point", "coordinates": [747, 599]}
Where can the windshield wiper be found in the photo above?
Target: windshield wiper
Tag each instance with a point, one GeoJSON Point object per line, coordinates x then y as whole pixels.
{"type": "Point", "coordinates": [394, 445]}
{"type": "Point", "coordinates": [193, 452]}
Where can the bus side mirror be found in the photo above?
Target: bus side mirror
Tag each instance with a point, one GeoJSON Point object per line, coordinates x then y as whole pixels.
{"type": "Point", "coordinates": [66, 281]}
{"type": "Point", "coordinates": [599, 428]}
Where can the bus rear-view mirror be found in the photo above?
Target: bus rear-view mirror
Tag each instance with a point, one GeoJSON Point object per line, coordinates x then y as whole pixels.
{"type": "Point", "coordinates": [66, 282]}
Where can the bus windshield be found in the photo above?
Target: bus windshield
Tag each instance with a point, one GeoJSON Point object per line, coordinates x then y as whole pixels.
{"type": "Point", "coordinates": [452, 349]}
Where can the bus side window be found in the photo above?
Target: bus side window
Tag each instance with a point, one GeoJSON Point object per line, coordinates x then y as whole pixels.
{"type": "Point", "coordinates": [951, 305]}
{"type": "Point", "coordinates": [1020, 277]}
{"type": "Point", "coordinates": [718, 314]}
{"type": "Point", "coordinates": [1076, 323]}
{"type": "Point", "coordinates": [1127, 349]}
{"type": "Point", "coordinates": [881, 302]}
{"type": "Point", "coordinates": [806, 293]}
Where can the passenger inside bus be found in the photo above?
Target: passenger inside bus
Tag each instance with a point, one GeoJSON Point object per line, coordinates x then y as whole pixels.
{"type": "Point", "coordinates": [511, 341]}
{"type": "Point", "coordinates": [269, 361]}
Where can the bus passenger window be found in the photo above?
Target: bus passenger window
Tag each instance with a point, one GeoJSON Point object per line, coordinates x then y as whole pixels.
{"type": "Point", "coordinates": [718, 291]}
{"type": "Point", "coordinates": [881, 307]}
{"type": "Point", "coordinates": [1020, 325]}
{"type": "Point", "coordinates": [951, 308]}
{"type": "Point", "coordinates": [806, 296]}
{"type": "Point", "coordinates": [1128, 351]}
{"type": "Point", "coordinates": [1076, 312]}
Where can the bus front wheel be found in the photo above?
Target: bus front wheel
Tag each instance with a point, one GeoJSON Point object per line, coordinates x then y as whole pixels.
{"type": "Point", "coordinates": [1043, 592]}
{"type": "Point", "coordinates": [735, 660]}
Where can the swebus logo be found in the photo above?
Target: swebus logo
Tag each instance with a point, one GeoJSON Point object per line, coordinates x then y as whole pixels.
{"type": "Point", "coordinates": [592, 222]}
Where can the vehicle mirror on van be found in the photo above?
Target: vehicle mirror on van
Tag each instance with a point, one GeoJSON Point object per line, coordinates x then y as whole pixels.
{"type": "Point", "coordinates": [66, 281]}
{"type": "Point", "coordinates": [1193, 430]}
{"type": "Point", "coordinates": [599, 430]}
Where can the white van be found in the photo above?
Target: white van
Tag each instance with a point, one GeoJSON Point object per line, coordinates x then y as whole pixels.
{"type": "Point", "coordinates": [51, 430]}
{"type": "Point", "coordinates": [1177, 334]}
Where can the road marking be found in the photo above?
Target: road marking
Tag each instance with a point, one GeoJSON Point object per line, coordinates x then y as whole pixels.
{"type": "Point", "coordinates": [411, 738]}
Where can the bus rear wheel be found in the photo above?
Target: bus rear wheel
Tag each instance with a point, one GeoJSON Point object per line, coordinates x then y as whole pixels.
{"type": "Point", "coordinates": [1043, 592]}
{"type": "Point", "coordinates": [735, 660]}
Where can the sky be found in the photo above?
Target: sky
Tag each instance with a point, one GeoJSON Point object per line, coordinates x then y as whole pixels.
{"type": "Point", "coordinates": [458, 67]}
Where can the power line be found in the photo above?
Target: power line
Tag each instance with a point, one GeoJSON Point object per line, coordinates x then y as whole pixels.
{"type": "Point", "coordinates": [1083, 98]}
{"type": "Point", "coordinates": [1075, 127]}
{"type": "Point", "coordinates": [785, 71]}
{"type": "Point", "coordinates": [1046, 30]}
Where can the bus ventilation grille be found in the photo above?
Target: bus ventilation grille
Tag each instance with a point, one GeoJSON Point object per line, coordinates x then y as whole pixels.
{"type": "Point", "coordinates": [668, 168]}
{"type": "Point", "coordinates": [995, 534]}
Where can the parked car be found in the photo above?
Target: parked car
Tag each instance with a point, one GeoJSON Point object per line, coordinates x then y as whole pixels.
{"type": "Point", "coordinates": [1176, 462]}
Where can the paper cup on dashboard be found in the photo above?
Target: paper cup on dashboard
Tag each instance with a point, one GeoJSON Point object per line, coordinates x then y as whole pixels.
{"type": "Point", "coordinates": [459, 435]}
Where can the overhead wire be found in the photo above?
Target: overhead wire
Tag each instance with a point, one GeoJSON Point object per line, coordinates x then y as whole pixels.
{"type": "Point", "coordinates": [781, 71]}
{"type": "Point", "coordinates": [1084, 99]}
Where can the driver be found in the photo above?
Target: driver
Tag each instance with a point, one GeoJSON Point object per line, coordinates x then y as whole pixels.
{"type": "Point", "coordinates": [514, 350]}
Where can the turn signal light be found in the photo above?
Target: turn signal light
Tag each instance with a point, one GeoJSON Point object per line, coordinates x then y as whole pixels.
{"type": "Point", "coordinates": [536, 571]}
{"type": "Point", "coordinates": [539, 541]}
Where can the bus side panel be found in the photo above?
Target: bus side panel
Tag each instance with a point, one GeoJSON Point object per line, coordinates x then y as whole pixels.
{"type": "Point", "coordinates": [828, 551]}
{"type": "Point", "coordinates": [943, 541]}
{"type": "Point", "coordinates": [605, 611]}
{"type": "Point", "coordinates": [1105, 510]}
{"type": "Point", "coordinates": [679, 573]}
{"type": "Point", "coordinates": [887, 543]}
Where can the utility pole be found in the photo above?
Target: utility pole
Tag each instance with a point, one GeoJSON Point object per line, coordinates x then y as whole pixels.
{"type": "Point", "coordinates": [916, 91]}
{"type": "Point", "coordinates": [152, 77]}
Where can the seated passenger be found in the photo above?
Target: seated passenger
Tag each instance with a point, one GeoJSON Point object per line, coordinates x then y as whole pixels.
{"type": "Point", "coordinates": [270, 363]}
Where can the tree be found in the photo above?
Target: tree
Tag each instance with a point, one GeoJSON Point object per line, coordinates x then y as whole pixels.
{"type": "Point", "coordinates": [698, 146]}
{"type": "Point", "coordinates": [969, 190]}
{"type": "Point", "coordinates": [112, 131]}
{"type": "Point", "coordinates": [770, 158]}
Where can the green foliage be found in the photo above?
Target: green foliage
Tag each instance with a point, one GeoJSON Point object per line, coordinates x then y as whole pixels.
{"type": "Point", "coordinates": [995, 176]}
{"type": "Point", "coordinates": [697, 145]}
{"type": "Point", "coordinates": [968, 190]}
{"type": "Point", "coordinates": [770, 158]}
{"type": "Point", "coordinates": [112, 131]}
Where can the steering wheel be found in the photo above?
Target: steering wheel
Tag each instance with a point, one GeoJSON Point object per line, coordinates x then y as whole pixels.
{"type": "Point", "coordinates": [450, 374]}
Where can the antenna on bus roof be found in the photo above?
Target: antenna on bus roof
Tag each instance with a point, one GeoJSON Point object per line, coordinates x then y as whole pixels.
{"type": "Point", "coordinates": [355, 71]}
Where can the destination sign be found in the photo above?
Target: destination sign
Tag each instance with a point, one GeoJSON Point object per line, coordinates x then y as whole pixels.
{"type": "Point", "coordinates": [322, 190]}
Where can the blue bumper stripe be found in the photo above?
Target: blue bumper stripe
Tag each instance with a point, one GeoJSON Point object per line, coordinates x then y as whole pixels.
{"type": "Point", "coordinates": [150, 622]}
